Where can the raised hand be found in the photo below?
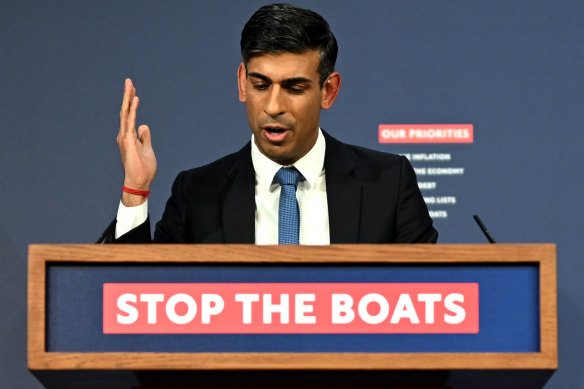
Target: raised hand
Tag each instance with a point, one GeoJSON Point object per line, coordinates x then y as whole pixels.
{"type": "Point", "coordinates": [137, 154]}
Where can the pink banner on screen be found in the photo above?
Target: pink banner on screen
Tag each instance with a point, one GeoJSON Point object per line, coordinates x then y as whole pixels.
{"type": "Point", "coordinates": [291, 308]}
{"type": "Point", "coordinates": [426, 133]}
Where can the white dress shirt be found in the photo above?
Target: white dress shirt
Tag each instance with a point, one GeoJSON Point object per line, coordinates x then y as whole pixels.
{"type": "Point", "coordinates": [311, 195]}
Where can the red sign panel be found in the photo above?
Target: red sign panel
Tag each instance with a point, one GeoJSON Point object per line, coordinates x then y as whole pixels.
{"type": "Point", "coordinates": [289, 308]}
{"type": "Point", "coordinates": [426, 133]}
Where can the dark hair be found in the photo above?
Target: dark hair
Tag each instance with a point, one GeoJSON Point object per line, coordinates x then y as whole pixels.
{"type": "Point", "coordinates": [279, 28]}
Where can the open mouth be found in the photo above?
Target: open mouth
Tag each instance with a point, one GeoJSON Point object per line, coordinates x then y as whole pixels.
{"type": "Point", "coordinates": [275, 133]}
{"type": "Point", "coordinates": [274, 130]}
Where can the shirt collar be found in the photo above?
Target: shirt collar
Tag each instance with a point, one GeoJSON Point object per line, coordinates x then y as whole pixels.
{"type": "Point", "coordinates": [310, 166]}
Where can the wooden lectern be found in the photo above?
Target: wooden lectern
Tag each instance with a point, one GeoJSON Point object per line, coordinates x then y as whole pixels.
{"type": "Point", "coordinates": [515, 345]}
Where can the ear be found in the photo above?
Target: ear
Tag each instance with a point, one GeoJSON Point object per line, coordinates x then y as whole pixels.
{"type": "Point", "coordinates": [241, 81]}
{"type": "Point", "coordinates": [330, 90]}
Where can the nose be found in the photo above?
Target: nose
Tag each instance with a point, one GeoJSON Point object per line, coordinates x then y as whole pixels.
{"type": "Point", "coordinates": [275, 102]}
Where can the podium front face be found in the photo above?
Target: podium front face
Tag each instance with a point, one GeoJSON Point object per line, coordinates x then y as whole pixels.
{"type": "Point", "coordinates": [340, 313]}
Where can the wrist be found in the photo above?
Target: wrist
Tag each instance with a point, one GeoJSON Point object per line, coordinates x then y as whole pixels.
{"type": "Point", "coordinates": [137, 192]}
{"type": "Point", "coordinates": [144, 186]}
{"type": "Point", "coordinates": [132, 200]}
{"type": "Point", "coordinates": [132, 197]}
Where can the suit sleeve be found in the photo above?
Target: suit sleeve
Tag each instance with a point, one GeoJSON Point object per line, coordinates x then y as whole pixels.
{"type": "Point", "coordinates": [414, 224]}
{"type": "Point", "coordinates": [172, 227]}
{"type": "Point", "coordinates": [140, 234]}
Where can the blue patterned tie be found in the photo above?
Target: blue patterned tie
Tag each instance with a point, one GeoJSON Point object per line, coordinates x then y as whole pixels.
{"type": "Point", "coordinates": [288, 214]}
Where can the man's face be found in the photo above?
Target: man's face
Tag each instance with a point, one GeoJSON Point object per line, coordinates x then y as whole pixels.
{"type": "Point", "coordinates": [283, 98]}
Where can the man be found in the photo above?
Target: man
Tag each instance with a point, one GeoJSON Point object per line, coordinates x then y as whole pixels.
{"type": "Point", "coordinates": [345, 194]}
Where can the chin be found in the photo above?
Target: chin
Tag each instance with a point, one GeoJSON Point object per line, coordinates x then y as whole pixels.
{"type": "Point", "coordinates": [280, 158]}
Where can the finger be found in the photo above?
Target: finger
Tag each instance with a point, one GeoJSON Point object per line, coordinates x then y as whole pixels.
{"type": "Point", "coordinates": [131, 127]}
{"type": "Point", "coordinates": [144, 135]}
{"type": "Point", "coordinates": [129, 93]}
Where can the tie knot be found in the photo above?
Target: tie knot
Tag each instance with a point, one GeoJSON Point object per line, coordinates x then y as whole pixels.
{"type": "Point", "coordinates": [288, 176]}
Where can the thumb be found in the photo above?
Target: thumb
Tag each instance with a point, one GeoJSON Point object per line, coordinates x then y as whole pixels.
{"type": "Point", "coordinates": [144, 135]}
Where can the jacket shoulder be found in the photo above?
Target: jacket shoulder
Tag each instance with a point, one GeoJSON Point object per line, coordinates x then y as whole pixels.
{"type": "Point", "coordinates": [214, 174]}
{"type": "Point", "coordinates": [364, 162]}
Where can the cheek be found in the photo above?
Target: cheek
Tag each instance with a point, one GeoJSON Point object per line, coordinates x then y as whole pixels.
{"type": "Point", "coordinates": [253, 109]}
{"type": "Point", "coordinates": [308, 113]}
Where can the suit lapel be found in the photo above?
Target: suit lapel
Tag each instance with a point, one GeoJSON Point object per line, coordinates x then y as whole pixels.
{"type": "Point", "coordinates": [343, 193]}
{"type": "Point", "coordinates": [238, 200]}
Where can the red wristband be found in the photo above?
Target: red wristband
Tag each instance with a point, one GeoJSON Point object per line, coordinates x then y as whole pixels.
{"type": "Point", "coordinates": [144, 193]}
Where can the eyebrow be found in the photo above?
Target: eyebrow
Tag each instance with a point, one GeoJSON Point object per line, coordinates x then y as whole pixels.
{"type": "Point", "coordinates": [287, 81]}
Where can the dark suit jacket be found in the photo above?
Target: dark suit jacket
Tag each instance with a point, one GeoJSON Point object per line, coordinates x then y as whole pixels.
{"type": "Point", "coordinates": [373, 197]}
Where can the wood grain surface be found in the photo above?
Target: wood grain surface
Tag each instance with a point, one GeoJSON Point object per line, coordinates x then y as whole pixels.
{"type": "Point", "coordinates": [542, 254]}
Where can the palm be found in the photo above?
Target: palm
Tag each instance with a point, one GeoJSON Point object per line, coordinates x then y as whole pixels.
{"type": "Point", "coordinates": [136, 151]}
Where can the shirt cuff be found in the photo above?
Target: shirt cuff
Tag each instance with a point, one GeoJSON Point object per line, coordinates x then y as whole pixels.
{"type": "Point", "coordinates": [129, 218]}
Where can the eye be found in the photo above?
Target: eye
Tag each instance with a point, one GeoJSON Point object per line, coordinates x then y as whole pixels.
{"type": "Point", "coordinates": [296, 89]}
{"type": "Point", "coordinates": [261, 86]}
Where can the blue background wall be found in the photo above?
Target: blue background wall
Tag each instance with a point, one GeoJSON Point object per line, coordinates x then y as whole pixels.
{"type": "Point", "coordinates": [511, 68]}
